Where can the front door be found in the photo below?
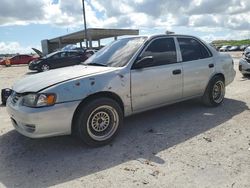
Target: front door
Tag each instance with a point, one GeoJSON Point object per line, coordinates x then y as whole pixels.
{"type": "Point", "coordinates": [74, 58]}
{"type": "Point", "coordinates": [160, 82]}
{"type": "Point", "coordinates": [59, 60]}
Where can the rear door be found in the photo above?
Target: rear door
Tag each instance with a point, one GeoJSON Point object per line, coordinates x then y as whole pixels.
{"type": "Point", "coordinates": [198, 66]}
{"type": "Point", "coordinates": [160, 82]}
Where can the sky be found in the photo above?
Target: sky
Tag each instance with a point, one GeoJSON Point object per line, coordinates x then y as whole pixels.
{"type": "Point", "coordinates": [23, 24]}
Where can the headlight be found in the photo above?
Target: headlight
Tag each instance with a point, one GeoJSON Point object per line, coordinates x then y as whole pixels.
{"type": "Point", "coordinates": [247, 56]}
{"type": "Point", "coordinates": [39, 100]}
{"type": "Point", "coordinates": [34, 62]}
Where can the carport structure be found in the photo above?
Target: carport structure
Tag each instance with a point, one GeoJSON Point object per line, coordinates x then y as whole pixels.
{"type": "Point", "coordinates": [93, 34]}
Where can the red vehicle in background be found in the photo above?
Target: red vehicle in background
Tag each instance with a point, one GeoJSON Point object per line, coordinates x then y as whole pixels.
{"type": "Point", "coordinates": [19, 59]}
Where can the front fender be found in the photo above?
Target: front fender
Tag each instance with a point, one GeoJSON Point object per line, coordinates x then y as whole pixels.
{"type": "Point", "coordinates": [117, 82]}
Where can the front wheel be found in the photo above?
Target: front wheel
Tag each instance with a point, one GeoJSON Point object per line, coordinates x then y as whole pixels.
{"type": "Point", "coordinates": [215, 92]}
{"type": "Point", "coordinates": [246, 75]}
{"type": "Point", "coordinates": [98, 121]}
{"type": "Point", "coordinates": [44, 67]}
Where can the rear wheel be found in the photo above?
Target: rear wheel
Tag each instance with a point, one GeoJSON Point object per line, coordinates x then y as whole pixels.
{"type": "Point", "coordinates": [215, 92]}
{"type": "Point", "coordinates": [98, 121]}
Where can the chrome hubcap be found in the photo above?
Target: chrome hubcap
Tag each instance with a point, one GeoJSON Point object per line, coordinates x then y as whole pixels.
{"type": "Point", "coordinates": [45, 67]}
{"type": "Point", "coordinates": [102, 123]}
{"type": "Point", "coordinates": [218, 91]}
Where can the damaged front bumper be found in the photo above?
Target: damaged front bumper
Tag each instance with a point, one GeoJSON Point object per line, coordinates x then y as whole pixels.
{"type": "Point", "coordinates": [42, 122]}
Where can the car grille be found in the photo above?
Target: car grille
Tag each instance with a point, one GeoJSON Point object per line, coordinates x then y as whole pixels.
{"type": "Point", "coordinates": [15, 97]}
{"type": "Point", "coordinates": [248, 60]}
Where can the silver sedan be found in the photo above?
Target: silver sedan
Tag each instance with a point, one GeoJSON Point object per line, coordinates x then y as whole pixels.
{"type": "Point", "coordinates": [128, 76]}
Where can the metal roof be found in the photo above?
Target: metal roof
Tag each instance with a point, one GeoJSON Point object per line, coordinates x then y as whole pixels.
{"type": "Point", "coordinates": [94, 34]}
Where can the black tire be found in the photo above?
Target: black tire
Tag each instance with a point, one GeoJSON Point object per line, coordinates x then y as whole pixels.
{"type": "Point", "coordinates": [3, 98]}
{"type": "Point", "coordinates": [215, 92]}
{"type": "Point", "coordinates": [98, 121]}
{"type": "Point", "coordinates": [44, 67]}
{"type": "Point", "coordinates": [5, 93]}
{"type": "Point", "coordinates": [246, 75]}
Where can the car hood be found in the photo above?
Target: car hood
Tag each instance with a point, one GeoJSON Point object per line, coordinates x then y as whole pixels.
{"type": "Point", "coordinates": [38, 52]}
{"type": "Point", "coordinates": [39, 81]}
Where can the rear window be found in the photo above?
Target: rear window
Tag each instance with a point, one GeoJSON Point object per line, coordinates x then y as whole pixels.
{"type": "Point", "coordinates": [24, 56]}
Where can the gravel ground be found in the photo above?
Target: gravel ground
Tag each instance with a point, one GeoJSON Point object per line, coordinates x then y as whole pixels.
{"type": "Point", "coordinates": [182, 145]}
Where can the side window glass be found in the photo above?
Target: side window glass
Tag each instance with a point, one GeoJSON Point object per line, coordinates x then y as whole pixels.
{"type": "Point", "coordinates": [72, 54]}
{"type": "Point", "coordinates": [63, 54]}
{"type": "Point", "coordinates": [56, 56]}
{"type": "Point", "coordinates": [192, 50]}
{"type": "Point", "coordinates": [162, 50]}
{"type": "Point", "coordinates": [15, 58]}
{"type": "Point", "coordinates": [24, 57]}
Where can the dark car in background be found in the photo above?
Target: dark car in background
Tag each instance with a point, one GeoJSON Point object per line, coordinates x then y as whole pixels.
{"type": "Point", "coordinates": [225, 48]}
{"type": "Point", "coordinates": [60, 59]}
{"type": "Point", "coordinates": [234, 48]}
{"type": "Point", "coordinates": [19, 59]}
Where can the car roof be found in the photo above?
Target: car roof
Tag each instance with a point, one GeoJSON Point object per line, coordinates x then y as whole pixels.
{"type": "Point", "coordinates": [149, 37]}
{"type": "Point", "coordinates": [21, 55]}
{"type": "Point", "coordinates": [172, 35]}
{"type": "Point", "coordinates": [164, 35]}
{"type": "Point", "coordinates": [69, 51]}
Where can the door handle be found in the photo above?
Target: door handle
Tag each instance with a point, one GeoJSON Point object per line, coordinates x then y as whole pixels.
{"type": "Point", "coordinates": [177, 71]}
{"type": "Point", "coordinates": [211, 65]}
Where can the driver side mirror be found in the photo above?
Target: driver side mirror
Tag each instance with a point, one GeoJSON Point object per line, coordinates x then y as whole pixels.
{"type": "Point", "coordinates": [147, 61]}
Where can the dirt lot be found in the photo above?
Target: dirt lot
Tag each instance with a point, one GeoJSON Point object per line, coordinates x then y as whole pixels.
{"type": "Point", "coordinates": [182, 145]}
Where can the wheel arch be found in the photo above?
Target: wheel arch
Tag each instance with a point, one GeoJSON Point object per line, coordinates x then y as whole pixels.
{"type": "Point", "coordinates": [219, 74]}
{"type": "Point", "coordinates": [207, 98]}
{"type": "Point", "coordinates": [106, 94]}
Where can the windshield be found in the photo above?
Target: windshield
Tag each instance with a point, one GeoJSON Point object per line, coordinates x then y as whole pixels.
{"type": "Point", "coordinates": [116, 54]}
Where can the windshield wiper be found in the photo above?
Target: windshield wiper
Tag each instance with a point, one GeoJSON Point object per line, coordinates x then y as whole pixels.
{"type": "Point", "coordinates": [96, 64]}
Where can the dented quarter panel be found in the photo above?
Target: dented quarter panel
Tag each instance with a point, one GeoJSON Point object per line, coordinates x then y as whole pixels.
{"type": "Point", "coordinates": [225, 66]}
